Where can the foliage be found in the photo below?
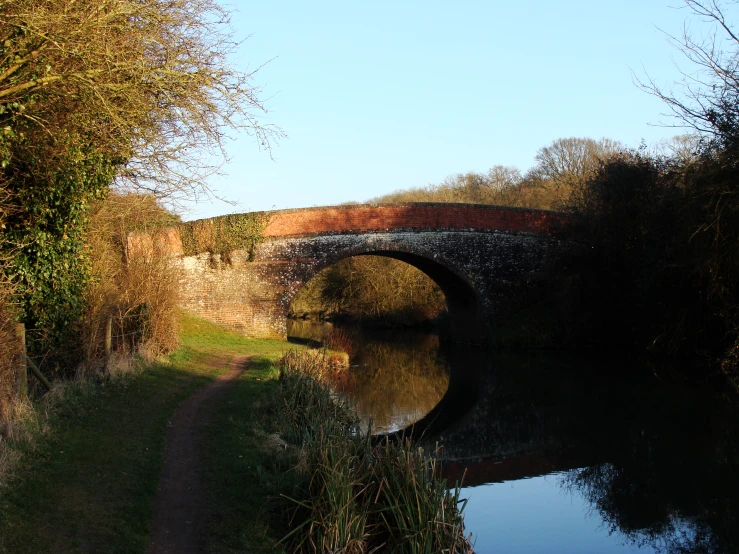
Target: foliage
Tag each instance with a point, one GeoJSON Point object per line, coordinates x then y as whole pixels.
{"type": "Point", "coordinates": [140, 293]}
{"type": "Point", "coordinates": [147, 84]}
{"type": "Point", "coordinates": [502, 185]}
{"type": "Point", "coordinates": [223, 235]}
{"type": "Point", "coordinates": [44, 234]}
{"type": "Point", "coordinates": [713, 208]}
{"type": "Point", "coordinates": [567, 163]}
{"type": "Point", "coordinates": [627, 212]}
{"type": "Point", "coordinates": [659, 273]}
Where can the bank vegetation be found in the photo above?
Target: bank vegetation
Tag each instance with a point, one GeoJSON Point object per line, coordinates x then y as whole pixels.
{"type": "Point", "coordinates": [352, 493]}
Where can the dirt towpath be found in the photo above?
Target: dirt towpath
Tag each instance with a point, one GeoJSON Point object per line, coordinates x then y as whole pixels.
{"type": "Point", "coordinates": [181, 504]}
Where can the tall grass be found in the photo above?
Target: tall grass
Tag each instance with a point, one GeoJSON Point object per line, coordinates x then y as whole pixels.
{"type": "Point", "coordinates": [353, 494]}
{"type": "Point", "coordinates": [8, 350]}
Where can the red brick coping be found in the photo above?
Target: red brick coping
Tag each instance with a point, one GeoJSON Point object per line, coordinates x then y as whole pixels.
{"type": "Point", "coordinates": [381, 217]}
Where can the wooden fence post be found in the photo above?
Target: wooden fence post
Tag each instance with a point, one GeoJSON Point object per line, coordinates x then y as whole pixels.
{"type": "Point", "coordinates": [37, 372]}
{"type": "Point", "coordinates": [20, 334]}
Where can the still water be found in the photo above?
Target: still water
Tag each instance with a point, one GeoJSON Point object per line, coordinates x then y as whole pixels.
{"type": "Point", "coordinates": [560, 455]}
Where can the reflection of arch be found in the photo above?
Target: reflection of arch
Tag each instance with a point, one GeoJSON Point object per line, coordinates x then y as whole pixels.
{"type": "Point", "coordinates": [467, 322]}
{"type": "Point", "coordinates": [469, 369]}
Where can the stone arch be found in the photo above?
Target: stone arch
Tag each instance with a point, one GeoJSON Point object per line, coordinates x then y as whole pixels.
{"type": "Point", "coordinates": [469, 322]}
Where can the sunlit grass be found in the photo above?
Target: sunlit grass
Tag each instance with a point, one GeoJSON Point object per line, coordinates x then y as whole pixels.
{"type": "Point", "coordinates": [87, 479]}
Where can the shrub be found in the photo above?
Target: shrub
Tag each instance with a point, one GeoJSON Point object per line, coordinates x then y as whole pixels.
{"type": "Point", "coordinates": [140, 292]}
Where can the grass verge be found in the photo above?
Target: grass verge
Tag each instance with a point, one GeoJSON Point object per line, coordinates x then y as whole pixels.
{"type": "Point", "coordinates": [87, 480]}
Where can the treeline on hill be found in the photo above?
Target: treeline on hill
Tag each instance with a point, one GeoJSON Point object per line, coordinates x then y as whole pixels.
{"type": "Point", "coordinates": [106, 109]}
{"type": "Point", "coordinates": [558, 168]}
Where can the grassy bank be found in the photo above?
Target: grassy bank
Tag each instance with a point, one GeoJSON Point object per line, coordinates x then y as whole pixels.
{"type": "Point", "coordinates": [87, 480]}
{"type": "Point", "coordinates": [282, 458]}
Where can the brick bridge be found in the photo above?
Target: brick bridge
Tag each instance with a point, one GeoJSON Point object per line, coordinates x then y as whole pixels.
{"type": "Point", "coordinates": [480, 256]}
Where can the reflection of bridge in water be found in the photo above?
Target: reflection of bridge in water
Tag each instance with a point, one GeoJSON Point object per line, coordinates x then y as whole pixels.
{"type": "Point", "coordinates": [497, 470]}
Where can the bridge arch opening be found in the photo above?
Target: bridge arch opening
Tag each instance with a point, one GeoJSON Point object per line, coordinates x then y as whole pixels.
{"type": "Point", "coordinates": [434, 292]}
{"type": "Point", "coordinates": [398, 376]}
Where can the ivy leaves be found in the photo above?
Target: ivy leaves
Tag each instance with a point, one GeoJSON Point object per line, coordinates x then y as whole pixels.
{"type": "Point", "coordinates": [45, 232]}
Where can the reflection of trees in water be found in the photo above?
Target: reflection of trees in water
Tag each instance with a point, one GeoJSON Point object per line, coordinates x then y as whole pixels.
{"type": "Point", "coordinates": [676, 498]}
{"type": "Point", "coordinates": [397, 384]}
{"type": "Point", "coordinates": [308, 331]}
{"type": "Point", "coordinates": [661, 457]}
{"type": "Point", "coordinates": [527, 406]}
{"type": "Point", "coordinates": [397, 376]}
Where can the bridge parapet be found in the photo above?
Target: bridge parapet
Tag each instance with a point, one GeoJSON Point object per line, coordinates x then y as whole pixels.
{"type": "Point", "coordinates": [408, 216]}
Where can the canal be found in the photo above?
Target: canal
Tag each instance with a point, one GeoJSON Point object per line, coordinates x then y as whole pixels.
{"type": "Point", "coordinates": [556, 454]}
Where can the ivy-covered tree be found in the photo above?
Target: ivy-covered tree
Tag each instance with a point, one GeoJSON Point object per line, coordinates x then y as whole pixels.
{"type": "Point", "coordinates": [137, 94]}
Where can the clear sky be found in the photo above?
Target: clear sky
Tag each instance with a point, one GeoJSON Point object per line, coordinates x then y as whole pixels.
{"type": "Point", "coordinates": [379, 96]}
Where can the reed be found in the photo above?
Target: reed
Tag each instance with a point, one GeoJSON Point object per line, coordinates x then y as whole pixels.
{"type": "Point", "coordinates": [353, 494]}
{"type": "Point", "coordinates": [8, 351]}
{"type": "Point", "coordinates": [339, 340]}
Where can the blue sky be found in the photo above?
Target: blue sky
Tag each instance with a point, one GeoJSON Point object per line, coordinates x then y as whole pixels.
{"type": "Point", "coordinates": [378, 96]}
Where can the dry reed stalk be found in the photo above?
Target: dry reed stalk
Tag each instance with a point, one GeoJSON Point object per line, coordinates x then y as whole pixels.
{"type": "Point", "coordinates": [9, 348]}
{"type": "Point", "coordinates": [338, 339]}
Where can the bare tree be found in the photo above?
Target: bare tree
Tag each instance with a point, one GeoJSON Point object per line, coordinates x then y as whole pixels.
{"type": "Point", "coordinates": [148, 82]}
{"type": "Point", "coordinates": [681, 148]}
{"type": "Point", "coordinates": [568, 162]}
{"type": "Point", "coordinates": [502, 177]}
{"type": "Point", "coordinates": [706, 99]}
